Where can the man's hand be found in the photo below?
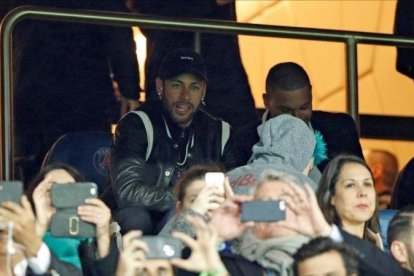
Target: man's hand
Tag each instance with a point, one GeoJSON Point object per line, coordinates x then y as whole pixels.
{"type": "Point", "coordinates": [309, 217]}
{"type": "Point", "coordinates": [132, 260]}
{"type": "Point", "coordinates": [226, 219]}
{"type": "Point", "coordinates": [132, 255]}
{"type": "Point", "coordinates": [204, 255]}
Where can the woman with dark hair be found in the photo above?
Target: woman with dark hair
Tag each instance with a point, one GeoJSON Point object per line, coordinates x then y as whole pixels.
{"type": "Point", "coordinates": [59, 173]}
{"type": "Point", "coordinates": [73, 252]}
{"type": "Point", "coordinates": [346, 195]}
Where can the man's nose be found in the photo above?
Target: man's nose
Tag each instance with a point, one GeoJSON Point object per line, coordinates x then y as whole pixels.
{"type": "Point", "coordinates": [185, 93]}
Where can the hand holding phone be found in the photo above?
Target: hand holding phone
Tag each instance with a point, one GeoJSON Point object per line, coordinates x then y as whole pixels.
{"type": "Point", "coordinates": [66, 198]}
{"type": "Point", "coordinates": [263, 211]}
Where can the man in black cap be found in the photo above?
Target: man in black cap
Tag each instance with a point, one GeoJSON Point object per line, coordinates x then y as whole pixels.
{"type": "Point", "coordinates": [154, 144]}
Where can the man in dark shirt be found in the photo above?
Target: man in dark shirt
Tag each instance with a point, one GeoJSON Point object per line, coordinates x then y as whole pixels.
{"type": "Point", "coordinates": [289, 91]}
{"type": "Point", "coordinates": [153, 145]}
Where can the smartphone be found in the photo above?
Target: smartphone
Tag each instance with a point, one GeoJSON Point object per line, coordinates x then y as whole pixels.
{"type": "Point", "coordinates": [66, 198]}
{"type": "Point", "coordinates": [11, 191]}
{"type": "Point", "coordinates": [215, 179]}
{"type": "Point", "coordinates": [263, 210]}
{"type": "Point", "coordinates": [67, 195]}
{"type": "Point", "coordinates": [162, 247]}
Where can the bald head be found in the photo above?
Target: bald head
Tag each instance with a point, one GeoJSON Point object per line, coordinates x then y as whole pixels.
{"type": "Point", "coordinates": [384, 167]}
{"type": "Point", "coordinates": [389, 162]}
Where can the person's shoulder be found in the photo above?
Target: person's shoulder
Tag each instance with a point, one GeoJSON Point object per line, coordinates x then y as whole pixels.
{"type": "Point", "coordinates": [325, 114]}
{"type": "Point", "coordinates": [206, 120]}
{"type": "Point", "coordinates": [136, 117]}
{"type": "Point", "coordinates": [319, 116]}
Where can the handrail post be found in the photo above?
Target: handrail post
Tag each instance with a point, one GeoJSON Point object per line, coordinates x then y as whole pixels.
{"type": "Point", "coordinates": [352, 103]}
{"type": "Point", "coordinates": [6, 107]}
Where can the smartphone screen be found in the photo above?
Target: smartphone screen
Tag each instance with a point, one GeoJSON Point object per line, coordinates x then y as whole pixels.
{"type": "Point", "coordinates": [215, 179]}
{"type": "Point", "coordinates": [263, 210]}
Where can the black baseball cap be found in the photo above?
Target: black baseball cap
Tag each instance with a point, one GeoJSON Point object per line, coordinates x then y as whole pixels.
{"type": "Point", "coordinates": [182, 61]}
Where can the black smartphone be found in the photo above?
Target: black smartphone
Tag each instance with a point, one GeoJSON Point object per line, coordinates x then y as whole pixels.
{"type": "Point", "coordinates": [11, 191]}
{"type": "Point", "coordinates": [66, 198]}
{"type": "Point", "coordinates": [263, 210]}
{"type": "Point", "coordinates": [162, 247]}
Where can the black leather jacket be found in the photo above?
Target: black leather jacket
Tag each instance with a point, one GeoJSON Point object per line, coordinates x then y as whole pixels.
{"type": "Point", "coordinates": [140, 182]}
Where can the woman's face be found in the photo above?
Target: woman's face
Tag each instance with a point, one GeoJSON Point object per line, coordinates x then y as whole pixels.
{"type": "Point", "coordinates": [56, 176]}
{"type": "Point", "coordinates": [354, 199]}
{"type": "Point", "coordinates": [60, 176]}
{"type": "Point", "coordinates": [192, 192]}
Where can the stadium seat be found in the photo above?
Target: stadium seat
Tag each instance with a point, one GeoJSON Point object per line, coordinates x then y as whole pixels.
{"type": "Point", "coordinates": [385, 216]}
{"type": "Point", "coordinates": [88, 152]}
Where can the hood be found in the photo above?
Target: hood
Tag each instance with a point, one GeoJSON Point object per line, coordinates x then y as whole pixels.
{"type": "Point", "coordinates": [285, 140]}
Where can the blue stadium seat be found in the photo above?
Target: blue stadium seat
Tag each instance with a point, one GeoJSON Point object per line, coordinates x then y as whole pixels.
{"type": "Point", "coordinates": [385, 216]}
{"type": "Point", "coordinates": [88, 152]}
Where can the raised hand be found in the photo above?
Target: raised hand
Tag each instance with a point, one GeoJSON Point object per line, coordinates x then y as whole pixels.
{"type": "Point", "coordinates": [132, 255]}
{"type": "Point", "coordinates": [95, 211]}
{"type": "Point", "coordinates": [43, 206]}
{"type": "Point", "coordinates": [209, 199]}
{"type": "Point", "coordinates": [24, 225]}
{"type": "Point", "coordinates": [226, 219]}
{"type": "Point", "coordinates": [309, 217]}
{"type": "Point", "coordinates": [204, 255]}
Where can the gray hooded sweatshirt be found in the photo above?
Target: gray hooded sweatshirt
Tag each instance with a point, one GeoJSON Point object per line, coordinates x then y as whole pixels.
{"type": "Point", "coordinates": [286, 144]}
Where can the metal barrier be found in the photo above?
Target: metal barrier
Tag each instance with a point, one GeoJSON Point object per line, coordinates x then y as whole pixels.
{"type": "Point", "coordinates": [350, 39]}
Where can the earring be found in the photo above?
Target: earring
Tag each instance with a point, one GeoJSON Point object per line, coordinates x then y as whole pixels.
{"type": "Point", "coordinates": [159, 96]}
{"type": "Point", "coordinates": [203, 102]}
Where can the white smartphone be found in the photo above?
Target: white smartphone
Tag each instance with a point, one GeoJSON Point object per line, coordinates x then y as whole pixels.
{"type": "Point", "coordinates": [215, 179]}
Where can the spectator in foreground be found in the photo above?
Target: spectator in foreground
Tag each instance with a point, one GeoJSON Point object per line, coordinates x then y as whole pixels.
{"type": "Point", "coordinates": [273, 244]}
{"type": "Point", "coordinates": [195, 198]}
{"type": "Point", "coordinates": [80, 254]}
{"type": "Point", "coordinates": [286, 144]}
{"type": "Point", "coordinates": [400, 237]}
{"type": "Point", "coordinates": [322, 256]}
{"type": "Point", "coordinates": [346, 195]}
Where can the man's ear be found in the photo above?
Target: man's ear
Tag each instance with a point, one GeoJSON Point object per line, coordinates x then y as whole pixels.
{"type": "Point", "coordinates": [399, 251]}
{"type": "Point", "coordinates": [266, 100]}
{"type": "Point", "coordinates": [377, 170]}
{"type": "Point", "coordinates": [159, 85]}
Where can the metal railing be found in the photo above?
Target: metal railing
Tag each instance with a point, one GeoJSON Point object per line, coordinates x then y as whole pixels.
{"type": "Point", "coordinates": [350, 39]}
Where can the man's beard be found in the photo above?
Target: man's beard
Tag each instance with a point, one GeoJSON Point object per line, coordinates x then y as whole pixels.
{"type": "Point", "coordinates": [169, 108]}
